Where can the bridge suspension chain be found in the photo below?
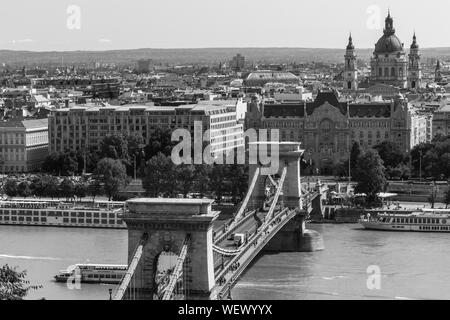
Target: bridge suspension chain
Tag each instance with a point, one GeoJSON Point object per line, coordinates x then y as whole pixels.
{"type": "Point", "coordinates": [241, 211]}
{"type": "Point", "coordinates": [124, 286]}
{"type": "Point", "coordinates": [255, 244]}
{"type": "Point", "coordinates": [226, 252]}
{"type": "Point", "coordinates": [178, 270]}
{"type": "Point", "coordinates": [277, 195]}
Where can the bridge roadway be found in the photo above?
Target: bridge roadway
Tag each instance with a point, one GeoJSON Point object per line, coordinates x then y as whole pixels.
{"type": "Point", "coordinates": [248, 226]}
{"type": "Point", "coordinates": [227, 274]}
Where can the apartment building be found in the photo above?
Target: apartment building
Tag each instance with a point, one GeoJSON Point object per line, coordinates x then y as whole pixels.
{"type": "Point", "coordinates": [84, 127]}
{"type": "Point", "coordinates": [23, 145]}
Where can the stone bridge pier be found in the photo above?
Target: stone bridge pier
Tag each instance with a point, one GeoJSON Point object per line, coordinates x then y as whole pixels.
{"type": "Point", "coordinates": [167, 222]}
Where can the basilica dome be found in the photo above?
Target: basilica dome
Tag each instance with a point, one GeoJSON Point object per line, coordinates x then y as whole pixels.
{"type": "Point", "coordinates": [388, 43]}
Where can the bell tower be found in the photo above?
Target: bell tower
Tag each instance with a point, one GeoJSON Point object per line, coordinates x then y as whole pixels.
{"type": "Point", "coordinates": [414, 67]}
{"type": "Point", "coordinates": [389, 25]}
{"type": "Point", "coordinates": [437, 73]}
{"type": "Point", "coordinates": [350, 70]}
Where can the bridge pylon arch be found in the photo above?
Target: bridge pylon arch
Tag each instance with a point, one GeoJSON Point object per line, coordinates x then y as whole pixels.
{"type": "Point", "coordinates": [286, 154]}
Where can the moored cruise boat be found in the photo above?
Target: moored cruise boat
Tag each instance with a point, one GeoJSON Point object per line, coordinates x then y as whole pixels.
{"type": "Point", "coordinates": [55, 213]}
{"type": "Point", "coordinates": [93, 273]}
{"type": "Point", "coordinates": [424, 220]}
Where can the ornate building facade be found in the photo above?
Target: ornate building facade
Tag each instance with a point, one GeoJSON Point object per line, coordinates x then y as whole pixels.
{"type": "Point", "coordinates": [328, 126]}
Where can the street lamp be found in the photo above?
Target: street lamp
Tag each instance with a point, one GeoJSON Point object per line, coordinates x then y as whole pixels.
{"type": "Point", "coordinates": [420, 166]}
{"type": "Point", "coordinates": [138, 151]}
{"type": "Point", "coordinates": [349, 172]}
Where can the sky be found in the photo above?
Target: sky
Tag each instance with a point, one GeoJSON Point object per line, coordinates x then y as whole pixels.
{"type": "Point", "coordinates": [63, 25]}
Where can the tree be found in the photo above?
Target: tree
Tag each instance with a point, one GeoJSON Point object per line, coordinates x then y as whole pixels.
{"type": "Point", "coordinates": [371, 175]}
{"type": "Point", "coordinates": [433, 195]}
{"type": "Point", "coordinates": [23, 189]}
{"type": "Point", "coordinates": [115, 147]}
{"type": "Point", "coordinates": [65, 164]}
{"type": "Point", "coordinates": [238, 176]}
{"type": "Point", "coordinates": [52, 164]}
{"type": "Point", "coordinates": [355, 153]}
{"type": "Point", "coordinates": [135, 153]}
{"type": "Point", "coordinates": [418, 152]}
{"type": "Point", "coordinates": [51, 186]}
{"type": "Point", "coordinates": [201, 179]}
{"type": "Point", "coordinates": [10, 188]}
{"type": "Point", "coordinates": [391, 154]}
{"type": "Point", "coordinates": [402, 171]}
{"type": "Point", "coordinates": [81, 189]}
{"type": "Point", "coordinates": [218, 183]}
{"type": "Point", "coordinates": [13, 284]}
{"type": "Point", "coordinates": [67, 188]}
{"type": "Point", "coordinates": [447, 197]}
{"type": "Point", "coordinates": [112, 175]}
{"type": "Point", "coordinates": [160, 142]}
{"type": "Point", "coordinates": [433, 158]}
{"type": "Point", "coordinates": [185, 174]}
{"type": "Point", "coordinates": [159, 176]}
{"type": "Point", "coordinates": [69, 164]}
{"type": "Point", "coordinates": [94, 188]}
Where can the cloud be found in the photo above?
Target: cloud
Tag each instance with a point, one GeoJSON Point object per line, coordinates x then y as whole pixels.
{"type": "Point", "coordinates": [104, 40]}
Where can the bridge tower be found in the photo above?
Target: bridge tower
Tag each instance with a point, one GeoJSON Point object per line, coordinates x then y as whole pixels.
{"type": "Point", "coordinates": [294, 236]}
{"type": "Point", "coordinates": [166, 224]}
{"type": "Point", "coordinates": [289, 156]}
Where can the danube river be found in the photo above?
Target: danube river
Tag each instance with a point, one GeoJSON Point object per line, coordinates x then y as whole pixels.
{"type": "Point", "coordinates": [412, 265]}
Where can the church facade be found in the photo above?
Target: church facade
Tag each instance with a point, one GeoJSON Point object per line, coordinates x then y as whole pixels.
{"type": "Point", "coordinates": [390, 64]}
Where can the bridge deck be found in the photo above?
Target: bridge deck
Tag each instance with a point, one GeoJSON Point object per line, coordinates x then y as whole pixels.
{"type": "Point", "coordinates": [226, 277]}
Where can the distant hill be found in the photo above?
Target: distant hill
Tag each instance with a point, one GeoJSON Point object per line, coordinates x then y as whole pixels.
{"type": "Point", "coordinates": [205, 55]}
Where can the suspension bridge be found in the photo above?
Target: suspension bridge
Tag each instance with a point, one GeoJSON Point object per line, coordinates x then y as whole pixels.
{"type": "Point", "coordinates": [177, 253]}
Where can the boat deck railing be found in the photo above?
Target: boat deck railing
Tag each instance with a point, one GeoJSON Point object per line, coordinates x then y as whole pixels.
{"type": "Point", "coordinates": [58, 206]}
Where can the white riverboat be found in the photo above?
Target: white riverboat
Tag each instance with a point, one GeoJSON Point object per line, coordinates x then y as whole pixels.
{"type": "Point", "coordinates": [93, 273]}
{"type": "Point", "coordinates": [424, 220]}
{"type": "Point", "coordinates": [56, 213]}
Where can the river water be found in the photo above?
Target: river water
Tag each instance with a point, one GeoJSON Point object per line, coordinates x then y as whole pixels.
{"type": "Point", "coordinates": [411, 265]}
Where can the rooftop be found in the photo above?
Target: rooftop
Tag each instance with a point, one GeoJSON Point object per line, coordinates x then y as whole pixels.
{"type": "Point", "coordinates": [444, 108]}
{"type": "Point", "coordinates": [27, 124]}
